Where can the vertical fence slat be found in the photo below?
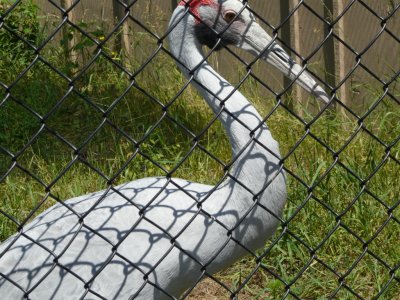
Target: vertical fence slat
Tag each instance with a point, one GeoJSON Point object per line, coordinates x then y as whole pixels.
{"type": "Point", "coordinates": [300, 93]}
{"type": "Point", "coordinates": [286, 33]}
{"type": "Point", "coordinates": [122, 42]}
{"type": "Point", "coordinates": [329, 46]}
{"type": "Point", "coordinates": [69, 44]}
{"type": "Point", "coordinates": [341, 57]}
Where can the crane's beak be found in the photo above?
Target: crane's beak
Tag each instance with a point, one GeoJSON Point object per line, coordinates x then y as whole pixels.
{"type": "Point", "coordinates": [258, 42]}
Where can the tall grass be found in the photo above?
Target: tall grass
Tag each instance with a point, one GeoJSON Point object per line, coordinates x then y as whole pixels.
{"type": "Point", "coordinates": [347, 231]}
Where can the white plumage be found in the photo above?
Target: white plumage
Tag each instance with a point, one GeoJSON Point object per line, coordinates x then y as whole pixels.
{"type": "Point", "coordinates": [155, 237]}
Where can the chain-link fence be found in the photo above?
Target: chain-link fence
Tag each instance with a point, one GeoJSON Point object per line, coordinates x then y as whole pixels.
{"type": "Point", "coordinates": [88, 106]}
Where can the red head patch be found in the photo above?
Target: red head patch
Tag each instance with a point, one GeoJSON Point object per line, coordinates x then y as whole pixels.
{"type": "Point", "coordinates": [195, 4]}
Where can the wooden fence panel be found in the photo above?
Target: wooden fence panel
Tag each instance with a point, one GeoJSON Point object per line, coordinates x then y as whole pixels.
{"type": "Point", "coordinates": [304, 32]}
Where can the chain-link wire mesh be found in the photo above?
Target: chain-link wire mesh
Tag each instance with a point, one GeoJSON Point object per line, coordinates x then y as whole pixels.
{"type": "Point", "coordinates": [84, 109]}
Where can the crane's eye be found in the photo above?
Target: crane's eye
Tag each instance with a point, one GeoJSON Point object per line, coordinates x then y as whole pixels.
{"type": "Point", "coordinates": [229, 16]}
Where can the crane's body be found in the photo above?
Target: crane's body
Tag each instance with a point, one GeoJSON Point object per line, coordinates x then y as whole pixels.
{"type": "Point", "coordinates": [155, 237]}
{"type": "Point", "coordinates": [143, 247]}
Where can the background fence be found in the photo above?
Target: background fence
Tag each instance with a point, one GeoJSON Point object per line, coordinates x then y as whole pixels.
{"type": "Point", "coordinates": [340, 235]}
{"type": "Point", "coordinates": [302, 28]}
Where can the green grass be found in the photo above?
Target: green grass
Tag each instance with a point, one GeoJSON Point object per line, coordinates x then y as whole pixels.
{"type": "Point", "coordinates": [339, 203]}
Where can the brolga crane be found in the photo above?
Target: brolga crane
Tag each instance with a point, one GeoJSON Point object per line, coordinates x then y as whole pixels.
{"type": "Point", "coordinates": [154, 238]}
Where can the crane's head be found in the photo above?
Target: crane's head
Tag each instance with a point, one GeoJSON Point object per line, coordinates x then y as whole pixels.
{"type": "Point", "coordinates": [219, 23]}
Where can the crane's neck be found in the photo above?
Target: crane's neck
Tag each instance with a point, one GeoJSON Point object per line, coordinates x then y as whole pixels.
{"type": "Point", "coordinates": [255, 152]}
